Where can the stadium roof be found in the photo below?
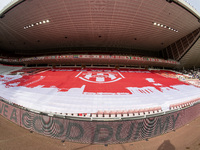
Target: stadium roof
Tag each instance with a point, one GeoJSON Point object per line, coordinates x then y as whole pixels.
{"type": "Point", "coordinates": [44, 26]}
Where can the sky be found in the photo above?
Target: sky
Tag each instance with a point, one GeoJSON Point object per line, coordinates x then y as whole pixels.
{"type": "Point", "coordinates": [3, 3]}
{"type": "Point", "coordinates": [194, 3]}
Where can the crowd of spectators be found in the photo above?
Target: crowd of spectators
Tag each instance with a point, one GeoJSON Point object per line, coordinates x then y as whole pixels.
{"type": "Point", "coordinates": [193, 74]}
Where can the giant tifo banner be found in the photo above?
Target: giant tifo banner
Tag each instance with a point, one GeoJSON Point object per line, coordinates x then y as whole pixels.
{"type": "Point", "coordinates": [98, 132]}
{"type": "Point", "coordinates": [72, 90]}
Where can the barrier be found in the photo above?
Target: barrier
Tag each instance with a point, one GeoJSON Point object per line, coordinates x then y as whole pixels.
{"type": "Point", "coordinates": [184, 104]}
{"type": "Point", "coordinates": [98, 131]}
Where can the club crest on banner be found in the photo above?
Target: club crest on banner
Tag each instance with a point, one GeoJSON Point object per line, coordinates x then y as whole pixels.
{"type": "Point", "coordinates": [100, 77]}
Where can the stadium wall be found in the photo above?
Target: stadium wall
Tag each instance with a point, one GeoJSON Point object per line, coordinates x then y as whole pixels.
{"type": "Point", "coordinates": [98, 132]}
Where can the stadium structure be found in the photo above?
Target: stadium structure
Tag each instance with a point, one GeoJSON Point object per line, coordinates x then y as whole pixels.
{"type": "Point", "coordinates": [99, 71]}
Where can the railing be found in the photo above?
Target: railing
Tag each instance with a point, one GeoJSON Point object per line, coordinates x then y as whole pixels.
{"type": "Point", "coordinates": [184, 104]}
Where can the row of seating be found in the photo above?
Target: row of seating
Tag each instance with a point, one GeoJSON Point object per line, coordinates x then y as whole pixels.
{"type": "Point", "coordinates": [123, 113]}
{"type": "Point", "coordinates": [118, 114]}
{"type": "Point", "coordinates": [183, 104]}
{"type": "Point", "coordinates": [100, 114]}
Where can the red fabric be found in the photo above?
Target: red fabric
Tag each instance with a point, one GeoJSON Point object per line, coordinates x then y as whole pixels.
{"type": "Point", "coordinates": [64, 80]}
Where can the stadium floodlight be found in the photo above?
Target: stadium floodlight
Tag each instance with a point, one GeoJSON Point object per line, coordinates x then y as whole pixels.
{"type": "Point", "coordinates": [37, 23]}
{"type": "Point", "coordinates": [164, 26]}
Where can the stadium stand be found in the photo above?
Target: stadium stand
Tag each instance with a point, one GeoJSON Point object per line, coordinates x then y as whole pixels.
{"type": "Point", "coordinates": [105, 82]}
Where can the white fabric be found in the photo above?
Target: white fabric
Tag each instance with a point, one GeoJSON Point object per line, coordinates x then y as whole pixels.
{"type": "Point", "coordinates": [76, 101]}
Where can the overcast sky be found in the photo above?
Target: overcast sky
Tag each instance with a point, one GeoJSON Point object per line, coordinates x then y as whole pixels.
{"type": "Point", "coordinates": [3, 3]}
{"type": "Point", "coordinates": [194, 3]}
